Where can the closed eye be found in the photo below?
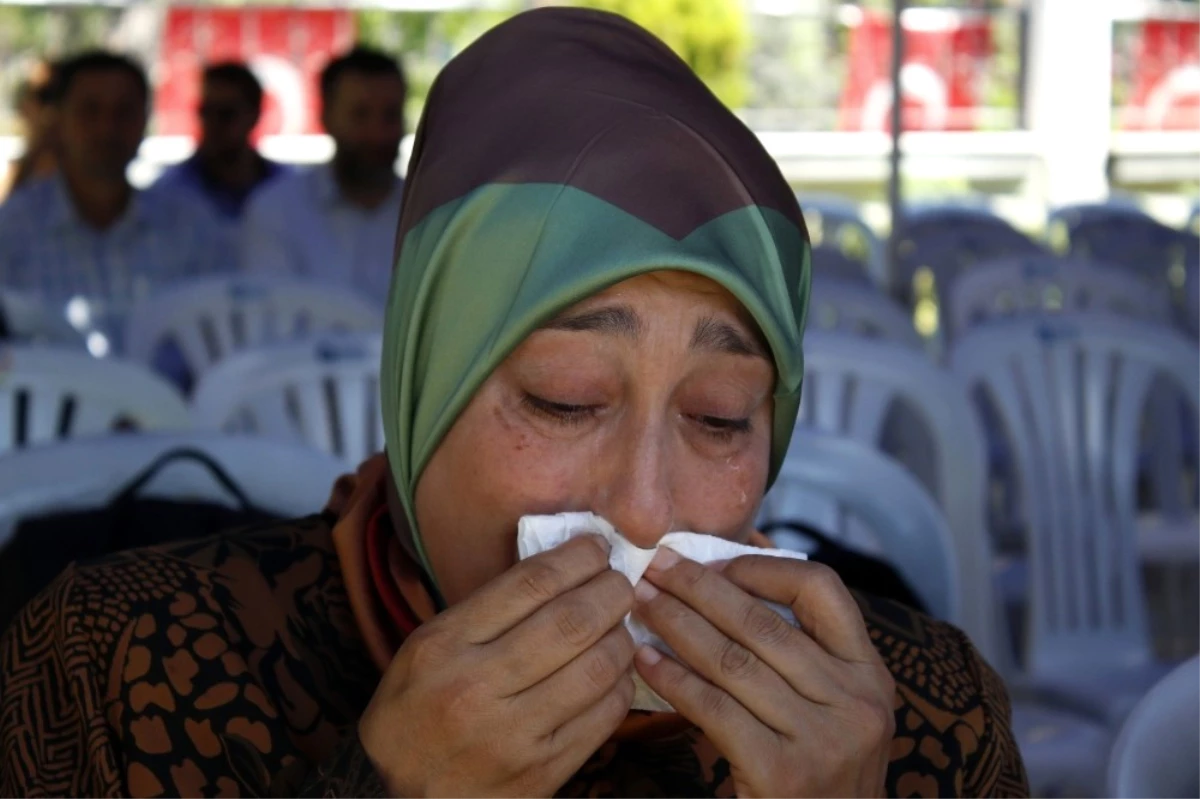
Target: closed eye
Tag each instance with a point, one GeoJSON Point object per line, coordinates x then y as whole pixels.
{"type": "Point", "coordinates": [723, 428]}
{"type": "Point", "coordinates": [562, 412]}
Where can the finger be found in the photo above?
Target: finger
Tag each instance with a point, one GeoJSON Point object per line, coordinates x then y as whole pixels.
{"type": "Point", "coordinates": [513, 596]}
{"type": "Point", "coordinates": [575, 741]}
{"type": "Point", "coordinates": [745, 626]}
{"type": "Point", "coordinates": [718, 658]}
{"type": "Point", "coordinates": [559, 631]}
{"type": "Point", "coordinates": [583, 682]}
{"type": "Point", "coordinates": [733, 730]}
{"type": "Point", "coordinates": [817, 596]}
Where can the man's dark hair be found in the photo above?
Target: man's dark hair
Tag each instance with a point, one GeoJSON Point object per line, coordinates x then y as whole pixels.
{"type": "Point", "coordinates": [96, 61]}
{"type": "Point", "coordinates": [237, 74]}
{"type": "Point", "coordinates": [362, 60]}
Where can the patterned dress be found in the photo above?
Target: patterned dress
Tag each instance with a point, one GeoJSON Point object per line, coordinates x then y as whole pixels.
{"type": "Point", "coordinates": [233, 666]}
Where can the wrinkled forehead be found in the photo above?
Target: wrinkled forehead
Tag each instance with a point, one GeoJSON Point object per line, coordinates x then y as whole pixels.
{"type": "Point", "coordinates": [719, 321]}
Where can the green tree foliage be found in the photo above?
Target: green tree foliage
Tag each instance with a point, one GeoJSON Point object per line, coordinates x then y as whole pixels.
{"type": "Point", "coordinates": [30, 33]}
{"type": "Point", "coordinates": [712, 36]}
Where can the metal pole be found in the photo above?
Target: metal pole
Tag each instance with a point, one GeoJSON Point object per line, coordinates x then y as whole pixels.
{"type": "Point", "coordinates": [895, 193]}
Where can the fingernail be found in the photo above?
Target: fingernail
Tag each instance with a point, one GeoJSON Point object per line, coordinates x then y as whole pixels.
{"type": "Point", "coordinates": [600, 541]}
{"type": "Point", "coordinates": [664, 559]}
{"type": "Point", "coordinates": [718, 565]}
{"type": "Point", "coordinates": [648, 655]}
{"type": "Point", "coordinates": [644, 591]}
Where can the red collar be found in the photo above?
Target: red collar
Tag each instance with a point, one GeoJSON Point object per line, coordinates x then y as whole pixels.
{"type": "Point", "coordinates": [380, 536]}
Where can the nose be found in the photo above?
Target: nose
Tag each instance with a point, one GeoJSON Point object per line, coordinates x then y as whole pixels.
{"type": "Point", "coordinates": [636, 497]}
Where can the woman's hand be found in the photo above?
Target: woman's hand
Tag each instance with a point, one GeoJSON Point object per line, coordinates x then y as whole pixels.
{"type": "Point", "coordinates": [511, 691]}
{"type": "Point", "coordinates": [796, 712]}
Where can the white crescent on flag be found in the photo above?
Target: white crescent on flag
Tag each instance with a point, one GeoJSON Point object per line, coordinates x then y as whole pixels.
{"type": "Point", "coordinates": [283, 81]}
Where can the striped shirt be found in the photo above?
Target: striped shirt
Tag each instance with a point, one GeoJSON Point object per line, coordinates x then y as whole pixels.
{"type": "Point", "coordinates": [300, 225]}
{"type": "Point", "coordinates": [49, 252]}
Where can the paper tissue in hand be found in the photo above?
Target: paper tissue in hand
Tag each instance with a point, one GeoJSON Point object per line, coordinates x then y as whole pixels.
{"type": "Point", "coordinates": [538, 533]}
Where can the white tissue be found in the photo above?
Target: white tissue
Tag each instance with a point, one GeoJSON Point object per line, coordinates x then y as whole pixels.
{"type": "Point", "coordinates": [538, 533]}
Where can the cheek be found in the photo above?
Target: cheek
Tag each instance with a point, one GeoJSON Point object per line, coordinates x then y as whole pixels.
{"type": "Point", "coordinates": [489, 471]}
{"type": "Point", "coordinates": [722, 497]}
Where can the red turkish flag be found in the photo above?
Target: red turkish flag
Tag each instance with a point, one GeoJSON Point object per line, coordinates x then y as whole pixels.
{"type": "Point", "coordinates": [1166, 91]}
{"type": "Point", "coordinates": [945, 54]}
{"type": "Point", "coordinates": [286, 48]}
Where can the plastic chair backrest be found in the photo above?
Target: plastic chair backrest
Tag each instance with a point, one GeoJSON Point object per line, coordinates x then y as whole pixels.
{"type": "Point", "coordinates": [324, 392]}
{"type": "Point", "coordinates": [971, 203]}
{"type": "Point", "coordinates": [1193, 222]}
{"type": "Point", "coordinates": [1037, 284]}
{"type": "Point", "coordinates": [1070, 391]}
{"type": "Point", "coordinates": [843, 243]}
{"type": "Point", "coordinates": [213, 317]}
{"type": "Point", "coordinates": [860, 309]}
{"type": "Point", "coordinates": [832, 260]}
{"type": "Point", "coordinates": [948, 242]}
{"type": "Point", "coordinates": [1087, 214]}
{"type": "Point", "coordinates": [277, 477]}
{"type": "Point", "coordinates": [1190, 311]}
{"type": "Point", "coordinates": [872, 487]}
{"type": "Point", "coordinates": [1123, 236]}
{"type": "Point", "coordinates": [48, 394]}
{"type": "Point", "coordinates": [29, 321]}
{"type": "Point", "coordinates": [1155, 752]}
{"type": "Point", "coordinates": [850, 387]}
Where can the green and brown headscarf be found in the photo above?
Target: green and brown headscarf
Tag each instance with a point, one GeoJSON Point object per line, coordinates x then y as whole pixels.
{"type": "Point", "coordinates": [563, 152]}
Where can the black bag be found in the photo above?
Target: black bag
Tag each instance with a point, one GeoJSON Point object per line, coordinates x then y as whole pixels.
{"type": "Point", "coordinates": [42, 546]}
{"type": "Point", "coordinates": [859, 571]}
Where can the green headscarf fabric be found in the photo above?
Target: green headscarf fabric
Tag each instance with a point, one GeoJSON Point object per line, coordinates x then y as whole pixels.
{"type": "Point", "coordinates": [563, 152]}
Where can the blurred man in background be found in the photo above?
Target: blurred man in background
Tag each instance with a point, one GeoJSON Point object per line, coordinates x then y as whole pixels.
{"type": "Point", "coordinates": [226, 168]}
{"type": "Point", "coordinates": [337, 222]}
{"type": "Point", "coordinates": [35, 106]}
{"type": "Point", "coordinates": [86, 232]}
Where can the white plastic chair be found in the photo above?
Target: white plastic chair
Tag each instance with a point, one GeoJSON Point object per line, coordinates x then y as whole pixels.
{"type": "Point", "coordinates": [977, 203]}
{"type": "Point", "coordinates": [1062, 751]}
{"type": "Point", "coordinates": [841, 238]}
{"type": "Point", "coordinates": [1045, 284]}
{"type": "Point", "coordinates": [1156, 753]}
{"type": "Point", "coordinates": [324, 392]}
{"type": "Point", "coordinates": [948, 241]}
{"type": "Point", "coordinates": [48, 394]}
{"type": "Point", "coordinates": [1124, 236]}
{"type": "Point", "coordinates": [277, 477]}
{"type": "Point", "coordinates": [1189, 305]}
{"type": "Point", "coordinates": [30, 321]}
{"type": "Point", "coordinates": [851, 387]}
{"type": "Point", "coordinates": [1070, 391]}
{"type": "Point", "coordinates": [854, 307]}
{"type": "Point", "coordinates": [211, 318]}
{"type": "Point", "coordinates": [872, 487]}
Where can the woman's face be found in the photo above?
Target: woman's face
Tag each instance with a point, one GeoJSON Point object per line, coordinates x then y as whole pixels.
{"type": "Point", "coordinates": [648, 404]}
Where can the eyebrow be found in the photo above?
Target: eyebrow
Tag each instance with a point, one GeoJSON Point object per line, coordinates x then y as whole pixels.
{"type": "Point", "coordinates": [711, 335]}
{"type": "Point", "coordinates": [714, 335]}
{"type": "Point", "coordinates": [613, 320]}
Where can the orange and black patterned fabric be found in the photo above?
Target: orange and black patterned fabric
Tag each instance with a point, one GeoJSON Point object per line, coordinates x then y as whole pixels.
{"type": "Point", "coordinates": [233, 666]}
